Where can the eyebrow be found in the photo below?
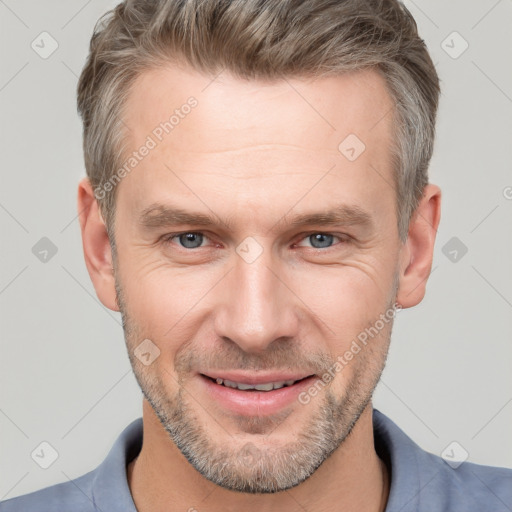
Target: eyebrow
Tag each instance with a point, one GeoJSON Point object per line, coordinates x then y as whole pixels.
{"type": "Point", "coordinates": [160, 215]}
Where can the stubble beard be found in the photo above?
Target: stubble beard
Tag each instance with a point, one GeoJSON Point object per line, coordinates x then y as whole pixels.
{"type": "Point", "coordinates": [257, 467]}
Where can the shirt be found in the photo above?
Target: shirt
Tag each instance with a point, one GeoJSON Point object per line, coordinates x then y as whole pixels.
{"type": "Point", "coordinates": [420, 481]}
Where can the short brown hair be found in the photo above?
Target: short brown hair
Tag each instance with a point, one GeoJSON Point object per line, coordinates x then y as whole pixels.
{"type": "Point", "coordinates": [268, 39]}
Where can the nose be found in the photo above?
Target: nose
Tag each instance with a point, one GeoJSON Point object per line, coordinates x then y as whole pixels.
{"type": "Point", "coordinates": [257, 307]}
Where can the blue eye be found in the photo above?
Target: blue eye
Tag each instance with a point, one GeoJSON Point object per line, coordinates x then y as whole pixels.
{"type": "Point", "coordinates": [194, 240]}
{"type": "Point", "coordinates": [190, 240]}
{"type": "Point", "coordinates": [321, 240]}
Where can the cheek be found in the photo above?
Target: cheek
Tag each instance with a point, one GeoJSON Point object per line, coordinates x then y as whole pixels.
{"type": "Point", "coordinates": [360, 359]}
{"type": "Point", "coordinates": [346, 304]}
{"type": "Point", "coordinates": [167, 303]}
{"type": "Point", "coordinates": [345, 298]}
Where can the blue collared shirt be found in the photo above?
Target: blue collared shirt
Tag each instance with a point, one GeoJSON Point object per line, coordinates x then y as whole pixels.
{"type": "Point", "coordinates": [420, 481]}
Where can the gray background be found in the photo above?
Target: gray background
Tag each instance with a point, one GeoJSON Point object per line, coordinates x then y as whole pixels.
{"type": "Point", "coordinates": [65, 376]}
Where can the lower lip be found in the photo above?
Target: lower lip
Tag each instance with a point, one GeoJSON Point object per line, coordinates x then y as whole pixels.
{"type": "Point", "coordinates": [256, 403]}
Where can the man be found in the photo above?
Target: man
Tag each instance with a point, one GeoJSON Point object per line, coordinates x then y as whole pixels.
{"type": "Point", "coordinates": [257, 206]}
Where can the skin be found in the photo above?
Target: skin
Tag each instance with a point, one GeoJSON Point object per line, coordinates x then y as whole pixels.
{"type": "Point", "coordinates": [253, 153]}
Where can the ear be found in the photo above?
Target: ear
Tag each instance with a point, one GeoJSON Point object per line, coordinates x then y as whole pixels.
{"type": "Point", "coordinates": [96, 245]}
{"type": "Point", "coordinates": [417, 252]}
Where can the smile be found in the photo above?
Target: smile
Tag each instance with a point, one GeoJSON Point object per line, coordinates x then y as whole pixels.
{"type": "Point", "coordinates": [269, 386]}
{"type": "Point", "coordinates": [250, 394]}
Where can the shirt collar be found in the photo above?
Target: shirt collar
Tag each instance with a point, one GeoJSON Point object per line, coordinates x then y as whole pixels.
{"type": "Point", "coordinates": [410, 468]}
{"type": "Point", "coordinates": [110, 488]}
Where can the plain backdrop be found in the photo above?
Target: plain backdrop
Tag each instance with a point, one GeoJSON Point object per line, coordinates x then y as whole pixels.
{"type": "Point", "coordinates": [65, 378]}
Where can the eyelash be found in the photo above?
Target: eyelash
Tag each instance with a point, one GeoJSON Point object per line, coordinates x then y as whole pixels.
{"type": "Point", "coordinates": [343, 238]}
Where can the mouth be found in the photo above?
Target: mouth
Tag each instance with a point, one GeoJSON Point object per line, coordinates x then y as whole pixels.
{"type": "Point", "coordinates": [255, 394]}
{"type": "Point", "coordinates": [263, 386]}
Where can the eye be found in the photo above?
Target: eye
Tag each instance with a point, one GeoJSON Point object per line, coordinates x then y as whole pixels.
{"type": "Point", "coordinates": [194, 240]}
{"type": "Point", "coordinates": [320, 240]}
{"type": "Point", "coordinates": [188, 240]}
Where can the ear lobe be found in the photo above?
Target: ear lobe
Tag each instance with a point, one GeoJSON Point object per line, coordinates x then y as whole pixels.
{"type": "Point", "coordinates": [417, 252]}
{"type": "Point", "coordinates": [96, 246]}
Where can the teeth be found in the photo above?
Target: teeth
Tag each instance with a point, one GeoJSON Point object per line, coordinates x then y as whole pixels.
{"type": "Point", "coordinates": [258, 387]}
{"type": "Point", "coordinates": [266, 387]}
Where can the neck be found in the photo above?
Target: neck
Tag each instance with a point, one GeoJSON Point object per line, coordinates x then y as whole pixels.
{"type": "Point", "coordinates": [352, 478]}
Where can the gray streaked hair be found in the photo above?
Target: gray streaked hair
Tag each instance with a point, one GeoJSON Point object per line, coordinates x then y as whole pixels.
{"type": "Point", "coordinates": [261, 39]}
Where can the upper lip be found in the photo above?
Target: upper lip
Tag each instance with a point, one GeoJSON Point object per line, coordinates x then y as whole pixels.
{"type": "Point", "coordinates": [254, 378]}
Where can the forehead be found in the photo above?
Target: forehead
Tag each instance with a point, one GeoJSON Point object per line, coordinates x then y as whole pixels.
{"type": "Point", "coordinates": [256, 139]}
{"type": "Point", "coordinates": [253, 112]}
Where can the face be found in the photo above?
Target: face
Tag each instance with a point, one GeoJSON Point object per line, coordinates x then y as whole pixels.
{"type": "Point", "coordinates": [260, 260]}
